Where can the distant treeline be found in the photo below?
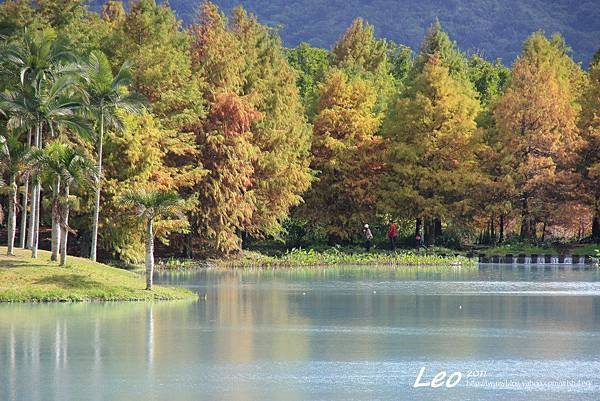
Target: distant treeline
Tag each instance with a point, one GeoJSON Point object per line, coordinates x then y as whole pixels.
{"type": "Point", "coordinates": [301, 145]}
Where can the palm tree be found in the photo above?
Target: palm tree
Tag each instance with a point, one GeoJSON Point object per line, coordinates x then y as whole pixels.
{"type": "Point", "coordinates": [13, 159]}
{"type": "Point", "coordinates": [70, 165]}
{"type": "Point", "coordinates": [37, 55]}
{"type": "Point", "coordinates": [41, 62]}
{"type": "Point", "coordinates": [107, 95]}
{"type": "Point", "coordinates": [49, 107]}
{"type": "Point", "coordinates": [151, 205]}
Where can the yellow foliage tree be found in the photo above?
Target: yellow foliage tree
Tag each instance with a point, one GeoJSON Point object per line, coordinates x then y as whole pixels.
{"type": "Point", "coordinates": [431, 142]}
{"type": "Point", "coordinates": [346, 156]}
{"type": "Point", "coordinates": [537, 119]}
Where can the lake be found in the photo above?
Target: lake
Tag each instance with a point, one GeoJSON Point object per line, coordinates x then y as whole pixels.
{"type": "Point", "coordinates": [512, 332]}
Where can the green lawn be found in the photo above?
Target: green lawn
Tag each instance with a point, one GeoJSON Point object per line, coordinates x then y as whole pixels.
{"type": "Point", "coordinates": [23, 279]}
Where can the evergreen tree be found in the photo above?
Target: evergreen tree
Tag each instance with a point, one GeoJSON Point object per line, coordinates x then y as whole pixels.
{"type": "Point", "coordinates": [311, 64]}
{"type": "Point", "coordinates": [401, 61]}
{"type": "Point", "coordinates": [59, 13]}
{"type": "Point", "coordinates": [134, 156]}
{"type": "Point", "coordinates": [489, 79]}
{"type": "Point", "coordinates": [15, 15]}
{"type": "Point", "coordinates": [437, 42]}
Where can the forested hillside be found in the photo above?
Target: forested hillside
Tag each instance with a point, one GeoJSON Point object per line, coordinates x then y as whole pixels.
{"type": "Point", "coordinates": [493, 28]}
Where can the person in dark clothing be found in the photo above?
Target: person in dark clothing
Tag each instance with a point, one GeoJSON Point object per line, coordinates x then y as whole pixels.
{"type": "Point", "coordinates": [392, 235]}
{"type": "Point", "coordinates": [368, 237]}
{"type": "Point", "coordinates": [420, 242]}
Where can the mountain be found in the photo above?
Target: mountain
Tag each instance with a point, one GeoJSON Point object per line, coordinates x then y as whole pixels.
{"type": "Point", "coordinates": [492, 28]}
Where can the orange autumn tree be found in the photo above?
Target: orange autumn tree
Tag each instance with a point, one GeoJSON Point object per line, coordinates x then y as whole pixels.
{"type": "Point", "coordinates": [282, 172]}
{"type": "Point", "coordinates": [537, 119]}
{"type": "Point", "coordinates": [346, 156]}
{"type": "Point", "coordinates": [589, 123]}
{"type": "Point", "coordinates": [226, 195]}
{"type": "Point", "coordinates": [255, 140]}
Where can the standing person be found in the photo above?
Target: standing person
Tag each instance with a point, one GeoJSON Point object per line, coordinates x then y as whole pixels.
{"type": "Point", "coordinates": [368, 237]}
{"type": "Point", "coordinates": [392, 234]}
{"type": "Point", "coordinates": [419, 239]}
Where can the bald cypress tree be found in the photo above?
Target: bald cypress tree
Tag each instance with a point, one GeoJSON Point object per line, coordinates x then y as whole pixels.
{"type": "Point", "coordinates": [537, 119]}
{"type": "Point", "coordinates": [150, 37]}
{"type": "Point", "coordinates": [282, 133]}
{"type": "Point", "coordinates": [346, 156]}
{"type": "Point", "coordinates": [430, 158]}
{"type": "Point", "coordinates": [226, 194]}
{"type": "Point", "coordinates": [358, 48]}
{"type": "Point", "coordinates": [255, 140]}
{"type": "Point", "coordinates": [589, 124]}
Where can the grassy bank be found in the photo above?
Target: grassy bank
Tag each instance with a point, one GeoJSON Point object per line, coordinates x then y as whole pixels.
{"type": "Point", "coordinates": [23, 279]}
{"type": "Point", "coordinates": [303, 258]}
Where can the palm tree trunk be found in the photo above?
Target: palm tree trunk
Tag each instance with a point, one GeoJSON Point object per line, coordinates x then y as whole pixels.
{"type": "Point", "coordinates": [23, 231]}
{"type": "Point", "coordinates": [64, 232]}
{"type": "Point", "coordinates": [97, 199]}
{"type": "Point", "coordinates": [149, 254]}
{"type": "Point", "coordinates": [36, 221]}
{"type": "Point", "coordinates": [32, 214]}
{"type": "Point", "coordinates": [38, 191]}
{"type": "Point", "coordinates": [12, 214]}
{"type": "Point", "coordinates": [55, 245]}
{"type": "Point", "coordinates": [23, 227]}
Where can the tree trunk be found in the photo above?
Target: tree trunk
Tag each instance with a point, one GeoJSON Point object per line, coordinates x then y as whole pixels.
{"type": "Point", "coordinates": [544, 231]}
{"type": "Point", "coordinates": [96, 217]}
{"type": "Point", "coordinates": [149, 254]}
{"type": "Point", "coordinates": [437, 226]}
{"type": "Point", "coordinates": [55, 244]}
{"type": "Point", "coordinates": [64, 232]}
{"type": "Point", "coordinates": [501, 237]}
{"type": "Point", "coordinates": [32, 185]}
{"type": "Point", "coordinates": [527, 223]}
{"type": "Point", "coordinates": [38, 195]}
{"type": "Point", "coordinates": [430, 232]}
{"type": "Point", "coordinates": [12, 214]}
{"type": "Point", "coordinates": [418, 226]}
{"type": "Point", "coordinates": [36, 221]}
{"type": "Point", "coordinates": [23, 229]}
{"type": "Point", "coordinates": [596, 222]}
{"type": "Point", "coordinates": [23, 233]}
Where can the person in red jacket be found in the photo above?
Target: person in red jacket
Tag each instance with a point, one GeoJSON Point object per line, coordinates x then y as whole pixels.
{"type": "Point", "coordinates": [392, 235]}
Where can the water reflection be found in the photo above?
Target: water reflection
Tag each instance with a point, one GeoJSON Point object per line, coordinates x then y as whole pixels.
{"type": "Point", "coordinates": [334, 334]}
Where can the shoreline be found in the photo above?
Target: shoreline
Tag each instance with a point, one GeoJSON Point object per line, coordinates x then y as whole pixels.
{"type": "Point", "coordinates": [26, 280]}
{"type": "Point", "coordinates": [309, 258]}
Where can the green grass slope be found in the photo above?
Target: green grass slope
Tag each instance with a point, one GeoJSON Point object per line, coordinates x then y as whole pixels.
{"type": "Point", "coordinates": [23, 279]}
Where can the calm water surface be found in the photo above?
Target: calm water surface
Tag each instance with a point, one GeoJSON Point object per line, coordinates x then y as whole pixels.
{"type": "Point", "coordinates": [335, 334]}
